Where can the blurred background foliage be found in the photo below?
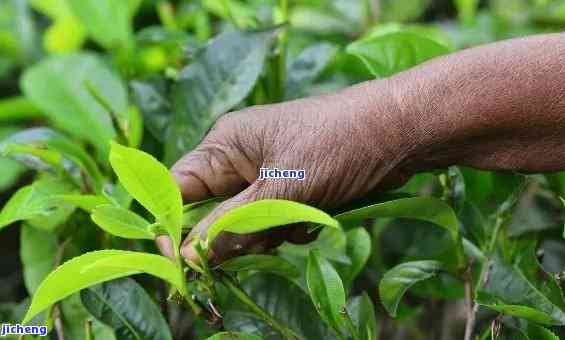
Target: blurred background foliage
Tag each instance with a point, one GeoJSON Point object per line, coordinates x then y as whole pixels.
{"type": "Point", "coordinates": [67, 63]}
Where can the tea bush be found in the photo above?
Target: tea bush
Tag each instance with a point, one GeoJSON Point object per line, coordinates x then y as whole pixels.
{"type": "Point", "coordinates": [88, 84]}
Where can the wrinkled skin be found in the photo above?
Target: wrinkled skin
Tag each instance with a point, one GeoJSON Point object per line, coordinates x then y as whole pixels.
{"type": "Point", "coordinates": [496, 107]}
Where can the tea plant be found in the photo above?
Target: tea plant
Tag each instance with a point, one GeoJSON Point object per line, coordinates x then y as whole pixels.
{"type": "Point", "coordinates": [466, 253]}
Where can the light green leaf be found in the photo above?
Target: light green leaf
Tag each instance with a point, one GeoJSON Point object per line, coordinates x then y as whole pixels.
{"type": "Point", "coordinates": [234, 336]}
{"type": "Point", "coordinates": [96, 267]}
{"type": "Point", "coordinates": [262, 263]}
{"type": "Point", "coordinates": [399, 279]}
{"type": "Point", "coordinates": [326, 290]}
{"type": "Point", "coordinates": [391, 53]}
{"type": "Point", "coordinates": [38, 249]}
{"type": "Point", "coordinates": [152, 185]}
{"type": "Point", "coordinates": [106, 21]}
{"type": "Point", "coordinates": [266, 214]}
{"type": "Point", "coordinates": [221, 76]}
{"type": "Point", "coordinates": [121, 222]}
{"type": "Point", "coordinates": [86, 202]}
{"type": "Point", "coordinates": [428, 209]}
{"type": "Point", "coordinates": [466, 10]}
{"type": "Point", "coordinates": [362, 313]}
{"type": "Point", "coordinates": [125, 306]}
{"type": "Point", "coordinates": [57, 85]}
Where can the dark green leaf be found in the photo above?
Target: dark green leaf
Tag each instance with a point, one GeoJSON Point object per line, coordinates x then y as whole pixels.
{"type": "Point", "coordinates": [151, 98]}
{"type": "Point", "coordinates": [262, 263]}
{"type": "Point", "coordinates": [358, 251]}
{"type": "Point", "coordinates": [38, 250]}
{"type": "Point", "coordinates": [307, 66]}
{"type": "Point", "coordinates": [234, 336]}
{"type": "Point", "coordinates": [518, 286]}
{"type": "Point", "coordinates": [282, 299]}
{"type": "Point", "coordinates": [399, 279]}
{"type": "Point", "coordinates": [125, 306]}
{"type": "Point", "coordinates": [536, 332]}
{"type": "Point", "coordinates": [326, 290]}
{"type": "Point", "coordinates": [428, 209]}
{"type": "Point", "coordinates": [221, 76]}
{"type": "Point", "coordinates": [362, 314]}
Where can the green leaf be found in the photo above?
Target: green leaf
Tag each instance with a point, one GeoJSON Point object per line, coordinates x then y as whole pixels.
{"type": "Point", "coordinates": [86, 202]}
{"type": "Point", "coordinates": [96, 15]}
{"type": "Point", "coordinates": [307, 66]}
{"type": "Point", "coordinates": [466, 10]}
{"type": "Point", "coordinates": [121, 222]}
{"type": "Point", "coordinates": [35, 201]}
{"type": "Point", "coordinates": [266, 214]}
{"type": "Point", "coordinates": [151, 98]}
{"type": "Point", "coordinates": [399, 279]}
{"type": "Point", "coordinates": [326, 290]}
{"type": "Point", "coordinates": [38, 249]}
{"type": "Point", "coordinates": [152, 185]}
{"type": "Point", "coordinates": [428, 209]}
{"type": "Point", "coordinates": [194, 212]}
{"type": "Point", "coordinates": [221, 76]}
{"type": "Point", "coordinates": [57, 85]}
{"type": "Point", "coordinates": [68, 154]}
{"type": "Point", "coordinates": [563, 209]}
{"type": "Point", "coordinates": [96, 267]}
{"type": "Point", "coordinates": [391, 53]}
{"type": "Point", "coordinates": [540, 333]}
{"type": "Point", "coordinates": [125, 306]}
{"type": "Point", "coordinates": [262, 263]}
{"type": "Point", "coordinates": [330, 242]}
{"type": "Point", "coordinates": [234, 336]}
{"type": "Point", "coordinates": [282, 299]}
{"type": "Point", "coordinates": [518, 286]}
{"type": "Point", "coordinates": [74, 316]}
{"type": "Point", "coordinates": [362, 313]}
{"type": "Point", "coordinates": [358, 250]}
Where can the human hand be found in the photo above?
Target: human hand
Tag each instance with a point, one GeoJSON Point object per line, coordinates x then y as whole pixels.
{"type": "Point", "coordinates": [348, 144]}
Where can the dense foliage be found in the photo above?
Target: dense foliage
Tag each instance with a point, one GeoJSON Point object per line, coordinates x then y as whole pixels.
{"type": "Point", "coordinates": [87, 84]}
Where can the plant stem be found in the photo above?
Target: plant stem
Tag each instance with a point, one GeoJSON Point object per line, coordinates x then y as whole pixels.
{"type": "Point", "coordinates": [183, 290]}
{"type": "Point", "coordinates": [88, 330]}
{"type": "Point", "coordinates": [243, 297]}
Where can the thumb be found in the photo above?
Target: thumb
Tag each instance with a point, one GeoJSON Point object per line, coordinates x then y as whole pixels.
{"type": "Point", "coordinates": [228, 245]}
{"type": "Point", "coordinates": [204, 173]}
